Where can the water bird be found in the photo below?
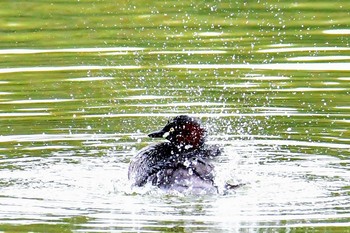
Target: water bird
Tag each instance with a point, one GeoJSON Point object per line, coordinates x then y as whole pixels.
{"type": "Point", "coordinates": [182, 163]}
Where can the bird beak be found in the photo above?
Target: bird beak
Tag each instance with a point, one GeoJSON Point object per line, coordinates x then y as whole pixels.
{"type": "Point", "coordinates": [157, 134]}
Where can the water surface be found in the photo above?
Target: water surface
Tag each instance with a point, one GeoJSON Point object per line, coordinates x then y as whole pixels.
{"type": "Point", "coordinates": [82, 83]}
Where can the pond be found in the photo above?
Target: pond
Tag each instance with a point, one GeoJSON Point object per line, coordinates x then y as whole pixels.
{"type": "Point", "coordinates": [82, 83]}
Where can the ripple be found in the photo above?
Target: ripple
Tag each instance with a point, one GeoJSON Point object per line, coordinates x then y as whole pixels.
{"type": "Point", "coordinates": [302, 49]}
{"type": "Point", "coordinates": [267, 78]}
{"type": "Point", "coordinates": [277, 109]}
{"type": "Point", "coordinates": [319, 58]}
{"type": "Point", "coordinates": [31, 101]}
{"type": "Point", "coordinates": [56, 137]}
{"type": "Point", "coordinates": [33, 109]}
{"type": "Point", "coordinates": [239, 85]}
{"type": "Point", "coordinates": [209, 115]}
{"type": "Point", "coordinates": [303, 143]}
{"type": "Point", "coordinates": [89, 79]}
{"type": "Point", "coordinates": [56, 147]}
{"type": "Point", "coordinates": [311, 89]}
{"type": "Point", "coordinates": [23, 114]}
{"type": "Point", "coordinates": [64, 68]}
{"type": "Point", "coordinates": [344, 121]}
{"type": "Point", "coordinates": [287, 191]}
{"type": "Point", "coordinates": [180, 104]}
{"type": "Point", "coordinates": [209, 33]}
{"type": "Point", "coordinates": [146, 97]}
{"type": "Point", "coordinates": [189, 52]}
{"type": "Point", "coordinates": [337, 32]}
{"type": "Point", "coordinates": [69, 50]}
{"type": "Point", "coordinates": [5, 93]}
{"type": "Point", "coordinates": [276, 66]}
{"type": "Point", "coordinates": [279, 45]}
{"type": "Point", "coordinates": [344, 78]}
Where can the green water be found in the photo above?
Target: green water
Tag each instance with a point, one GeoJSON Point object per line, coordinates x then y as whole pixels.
{"type": "Point", "coordinates": [83, 82]}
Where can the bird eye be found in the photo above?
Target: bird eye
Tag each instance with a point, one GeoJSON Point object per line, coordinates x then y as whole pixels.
{"type": "Point", "coordinates": [171, 129]}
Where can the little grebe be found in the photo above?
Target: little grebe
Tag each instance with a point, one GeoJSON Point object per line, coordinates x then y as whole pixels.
{"type": "Point", "coordinates": [181, 164]}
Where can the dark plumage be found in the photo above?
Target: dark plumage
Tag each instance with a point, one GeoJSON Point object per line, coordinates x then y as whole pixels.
{"type": "Point", "coordinates": [182, 164]}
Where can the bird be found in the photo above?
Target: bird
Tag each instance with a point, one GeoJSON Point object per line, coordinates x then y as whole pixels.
{"type": "Point", "coordinates": [183, 163]}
